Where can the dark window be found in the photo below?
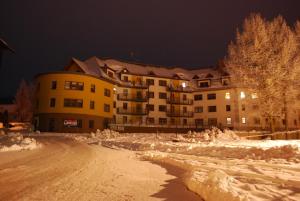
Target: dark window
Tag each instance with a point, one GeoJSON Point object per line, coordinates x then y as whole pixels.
{"type": "Point", "coordinates": [53, 85]}
{"type": "Point", "coordinates": [125, 119]}
{"type": "Point", "coordinates": [162, 95]}
{"type": "Point", "coordinates": [295, 122]}
{"type": "Point", "coordinates": [52, 102]}
{"type": "Point", "coordinates": [150, 94]}
{"type": "Point", "coordinates": [212, 108]}
{"type": "Point", "coordinates": [243, 107]}
{"type": "Point", "coordinates": [256, 120]}
{"type": "Point", "coordinates": [184, 109]}
{"type": "Point", "coordinates": [73, 102]}
{"type": "Point", "coordinates": [203, 84]}
{"type": "Point", "coordinates": [211, 96]}
{"type": "Point", "coordinates": [92, 105]}
{"type": "Point", "coordinates": [107, 92]}
{"type": "Point", "coordinates": [150, 81]}
{"type": "Point", "coordinates": [106, 108]}
{"type": "Point", "coordinates": [162, 83]}
{"type": "Point", "coordinates": [150, 107]}
{"type": "Point", "coordinates": [184, 97]}
{"type": "Point", "coordinates": [184, 121]}
{"type": "Point", "coordinates": [212, 121]}
{"type": "Point", "coordinates": [115, 104]}
{"type": "Point", "coordinates": [125, 78]}
{"type": "Point", "coordinates": [199, 122]}
{"type": "Point", "coordinates": [225, 82]}
{"type": "Point", "coordinates": [162, 108]}
{"type": "Point", "coordinates": [79, 123]}
{"type": "Point", "coordinates": [228, 108]}
{"type": "Point", "coordinates": [91, 123]}
{"type": "Point", "coordinates": [199, 109]}
{"type": "Point", "coordinates": [73, 85]}
{"type": "Point", "coordinates": [150, 120]}
{"type": "Point", "coordinates": [198, 97]}
{"type": "Point", "coordinates": [110, 74]}
{"type": "Point", "coordinates": [283, 121]}
{"type": "Point", "coordinates": [125, 106]}
{"type": "Point", "coordinates": [93, 88]}
{"type": "Point", "coordinates": [162, 121]}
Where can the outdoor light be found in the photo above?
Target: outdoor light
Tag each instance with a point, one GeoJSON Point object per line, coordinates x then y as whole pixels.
{"type": "Point", "coordinates": [183, 84]}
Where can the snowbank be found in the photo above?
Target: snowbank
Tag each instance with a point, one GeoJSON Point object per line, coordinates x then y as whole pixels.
{"type": "Point", "coordinates": [16, 142]}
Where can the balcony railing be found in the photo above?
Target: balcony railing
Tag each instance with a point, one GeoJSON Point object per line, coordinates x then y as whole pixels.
{"type": "Point", "coordinates": [142, 85]}
{"type": "Point", "coordinates": [186, 89]}
{"type": "Point", "coordinates": [179, 101]}
{"type": "Point", "coordinates": [132, 111]}
{"type": "Point", "coordinates": [178, 113]}
{"type": "Point", "coordinates": [132, 97]}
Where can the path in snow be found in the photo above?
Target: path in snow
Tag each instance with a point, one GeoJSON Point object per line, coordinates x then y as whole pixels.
{"type": "Point", "coordinates": [67, 170]}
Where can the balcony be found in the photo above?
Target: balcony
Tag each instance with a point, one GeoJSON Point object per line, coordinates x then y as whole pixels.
{"type": "Point", "coordinates": [132, 84]}
{"type": "Point", "coordinates": [186, 89]}
{"type": "Point", "coordinates": [132, 97]}
{"type": "Point", "coordinates": [178, 101]}
{"type": "Point", "coordinates": [178, 113]}
{"type": "Point", "coordinates": [132, 111]}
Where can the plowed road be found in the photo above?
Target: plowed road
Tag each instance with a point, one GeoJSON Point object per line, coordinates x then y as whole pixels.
{"type": "Point", "coordinates": [68, 170]}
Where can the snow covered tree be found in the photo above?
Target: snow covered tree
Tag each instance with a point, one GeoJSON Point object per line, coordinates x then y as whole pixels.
{"type": "Point", "coordinates": [264, 60]}
{"type": "Point", "coordinates": [24, 100]}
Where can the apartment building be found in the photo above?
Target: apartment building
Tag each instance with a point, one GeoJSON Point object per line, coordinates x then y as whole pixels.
{"type": "Point", "coordinates": [145, 96]}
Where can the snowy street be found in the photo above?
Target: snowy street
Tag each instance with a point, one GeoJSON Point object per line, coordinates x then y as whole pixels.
{"type": "Point", "coordinates": [64, 169]}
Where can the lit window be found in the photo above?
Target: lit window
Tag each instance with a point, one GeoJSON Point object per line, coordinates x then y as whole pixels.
{"type": "Point", "coordinates": [243, 120]}
{"type": "Point", "coordinates": [243, 95]}
{"type": "Point", "coordinates": [254, 95]}
{"type": "Point", "coordinates": [228, 120]}
{"type": "Point", "coordinates": [183, 84]}
{"type": "Point", "coordinates": [227, 95]}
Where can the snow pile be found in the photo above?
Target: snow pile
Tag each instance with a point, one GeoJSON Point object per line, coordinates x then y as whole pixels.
{"type": "Point", "coordinates": [105, 134]}
{"type": "Point", "coordinates": [17, 143]}
{"type": "Point", "coordinates": [213, 134]}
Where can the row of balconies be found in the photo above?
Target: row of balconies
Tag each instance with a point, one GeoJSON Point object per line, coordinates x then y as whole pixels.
{"type": "Point", "coordinates": [144, 98]}
{"type": "Point", "coordinates": [144, 85]}
{"type": "Point", "coordinates": [144, 111]}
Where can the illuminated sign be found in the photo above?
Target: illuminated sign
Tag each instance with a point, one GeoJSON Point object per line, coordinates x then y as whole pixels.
{"type": "Point", "coordinates": [70, 123]}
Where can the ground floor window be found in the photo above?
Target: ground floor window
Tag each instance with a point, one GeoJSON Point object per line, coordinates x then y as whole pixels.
{"type": "Point", "coordinates": [212, 121]}
{"type": "Point", "coordinates": [91, 123]}
{"type": "Point", "coordinates": [150, 120]}
{"type": "Point", "coordinates": [199, 122]}
{"type": "Point", "coordinates": [162, 121]}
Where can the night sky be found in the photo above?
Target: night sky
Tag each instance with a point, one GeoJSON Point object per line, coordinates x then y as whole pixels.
{"type": "Point", "coordinates": [190, 33]}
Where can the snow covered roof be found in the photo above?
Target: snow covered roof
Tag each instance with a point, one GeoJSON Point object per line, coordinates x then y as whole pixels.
{"type": "Point", "coordinates": [95, 66]}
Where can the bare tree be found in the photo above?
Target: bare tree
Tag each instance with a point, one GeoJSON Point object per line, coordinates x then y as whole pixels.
{"type": "Point", "coordinates": [263, 59]}
{"type": "Point", "coordinates": [24, 100]}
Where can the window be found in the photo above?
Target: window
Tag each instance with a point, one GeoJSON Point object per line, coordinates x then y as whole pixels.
{"type": "Point", "coordinates": [125, 119]}
{"type": "Point", "coordinates": [93, 88]}
{"type": "Point", "coordinates": [199, 122]}
{"type": "Point", "coordinates": [162, 95]}
{"type": "Point", "coordinates": [256, 120]}
{"type": "Point", "coordinates": [212, 108]}
{"type": "Point", "coordinates": [150, 94]}
{"type": "Point", "coordinates": [184, 121]}
{"type": "Point", "coordinates": [199, 109]}
{"type": "Point", "coordinates": [172, 121]}
{"type": "Point", "coordinates": [91, 123]}
{"type": "Point", "coordinates": [53, 85]}
{"type": "Point", "coordinates": [162, 83]}
{"type": "Point", "coordinates": [295, 122]}
{"type": "Point", "coordinates": [184, 97]}
{"type": "Point", "coordinates": [52, 102]}
{"type": "Point", "coordinates": [114, 104]}
{"type": "Point", "coordinates": [228, 120]}
{"type": "Point", "coordinates": [110, 74]}
{"type": "Point", "coordinates": [162, 121]}
{"type": "Point", "coordinates": [228, 108]}
{"type": "Point", "coordinates": [125, 106]}
{"type": "Point", "coordinates": [211, 96]}
{"type": "Point", "coordinates": [125, 92]}
{"type": "Point", "coordinates": [227, 95]}
{"type": "Point", "coordinates": [283, 121]}
{"type": "Point", "coordinates": [70, 85]}
{"type": "Point", "coordinates": [92, 105]}
{"type": "Point", "coordinates": [203, 84]}
{"type": "Point", "coordinates": [107, 92]}
{"type": "Point", "coordinates": [243, 95]}
{"type": "Point", "coordinates": [125, 78]}
{"type": "Point", "coordinates": [243, 107]}
{"type": "Point", "coordinates": [150, 120]}
{"type": "Point", "coordinates": [243, 120]}
{"type": "Point", "coordinates": [225, 82]}
{"type": "Point", "coordinates": [149, 81]}
{"type": "Point", "coordinates": [212, 121]}
{"type": "Point", "coordinates": [106, 107]}
{"type": "Point", "coordinates": [254, 95]}
{"type": "Point", "coordinates": [184, 109]}
{"type": "Point", "coordinates": [73, 103]}
{"type": "Point", "coordinates": [150, 107]}
{"type": "Point", "coordinates": [198, 97]}
{"type": "Point", "coordinates": [162, 108]}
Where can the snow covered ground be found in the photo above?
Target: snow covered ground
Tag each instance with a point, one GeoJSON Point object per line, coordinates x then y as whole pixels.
{"type": "Point", "coordinates": [16, 142]}
{"type": "Point", "coordinates": [221, 166]}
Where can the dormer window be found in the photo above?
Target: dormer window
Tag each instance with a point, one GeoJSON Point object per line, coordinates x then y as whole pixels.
{"type": "Point", "coordinates": [225, 82]}
{"type": "Point", "coordinates": [203, 84]}
{"type": "Point", "coordinates": [125, 78]}
{"type": "Point", "coordinates": [110, 73]}
{"type": "Point", "coordinates": [151, 73]}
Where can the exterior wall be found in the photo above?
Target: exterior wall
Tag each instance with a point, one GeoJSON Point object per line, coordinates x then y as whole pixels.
{"type": "Point", "coordinates": [44, 94]}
